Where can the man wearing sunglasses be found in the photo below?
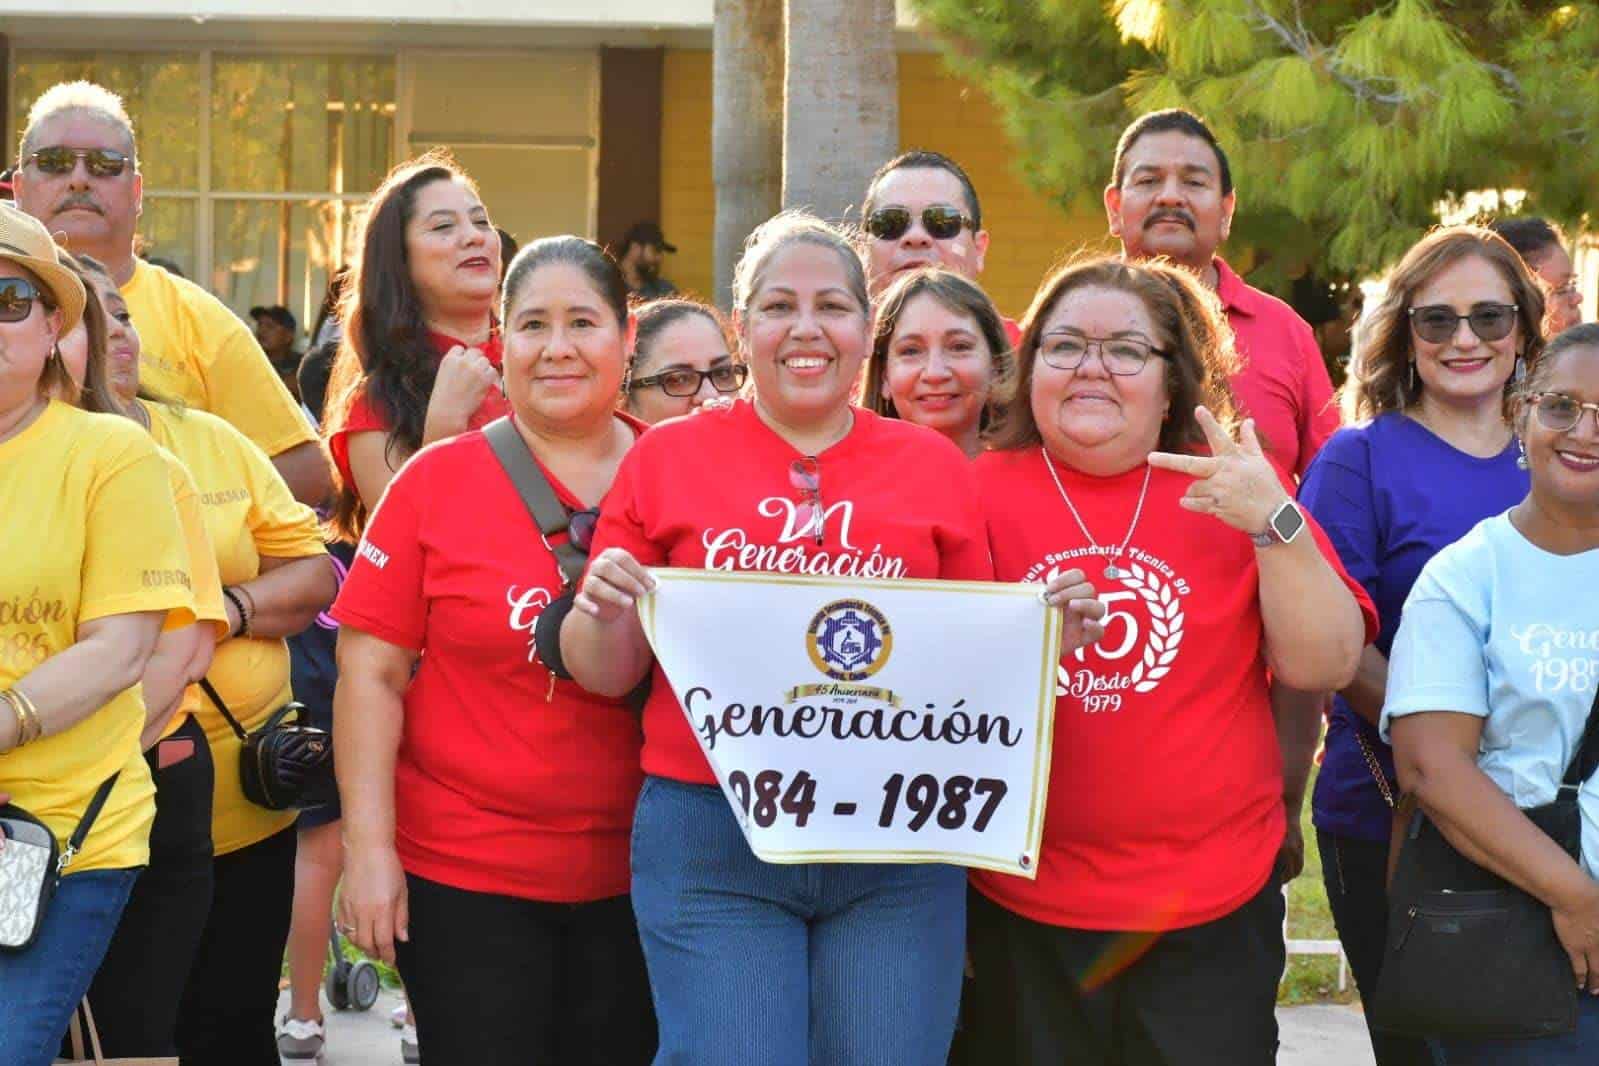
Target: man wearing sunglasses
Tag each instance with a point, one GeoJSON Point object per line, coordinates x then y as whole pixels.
{"type": "Point", "coordinates": [1171, 194]}
{"type": "Point", "coordinates": [921, 210]}
{"type": "Point", "coordinates": [77, 173]}
{"type": "Point", "coordinates": [1542, 246]}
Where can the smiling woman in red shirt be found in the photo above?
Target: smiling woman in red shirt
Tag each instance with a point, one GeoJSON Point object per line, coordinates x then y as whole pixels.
{"type": "Point", "coordinates": [420, 359]}
{"type": "Point", "coordinates": [751, 962]}
{"type": "Point", "coordinates": [486, 802]}
{"type": "Point", "coordinates": [1153, 932]}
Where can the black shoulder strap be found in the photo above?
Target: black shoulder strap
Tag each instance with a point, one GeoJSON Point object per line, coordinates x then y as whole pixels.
{"type": "Point", "coordinates": [216, 698]}
{"type": "Point", "coordinates": [537, 496]}
{"type": "Point", "coordinates": [80, 834]}
{"type": "Point", "coordinates": [1586, 761]}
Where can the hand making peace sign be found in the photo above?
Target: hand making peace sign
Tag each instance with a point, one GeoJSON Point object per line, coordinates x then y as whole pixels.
{"type": "Point", "coordinates": [1236, 482]}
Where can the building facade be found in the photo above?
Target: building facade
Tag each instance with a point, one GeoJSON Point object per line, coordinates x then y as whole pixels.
{"type": "Point", "coordinates": [263, 125]}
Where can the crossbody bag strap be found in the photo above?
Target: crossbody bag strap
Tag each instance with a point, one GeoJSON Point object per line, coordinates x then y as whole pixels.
{"type": "Point", "coordinates": [90, 813]}
{"type": "Point", "coordinates": [1586, 760]}
{"type": "Point", "coordinates": [216, 698]}
{"type": "Point", "coordinates": [538, 496]}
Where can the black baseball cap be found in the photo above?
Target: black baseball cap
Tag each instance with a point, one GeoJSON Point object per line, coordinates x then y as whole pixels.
{"type": "Point", "coordinates": [646, 233]}
{"type": "Point", "coordinates": [277, 313]}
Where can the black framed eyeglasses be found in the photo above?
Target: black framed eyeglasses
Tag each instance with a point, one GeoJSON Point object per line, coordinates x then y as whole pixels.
{"type": "Point", "coordinates": [1561, 413]}
{"type": "Point", "coordinates": [940, 221]}
{"type": "Point", "coordinates": [805, 474]}
{"type": "Point", "coordinates": [1122, 356]}
{"type": "Point", "coordinates": [1436, 323]}
{"type": "Point", "coordinates": [728, 377]}
{"type": "Point", "coordinates": [16, 299]}
{"type": "Point", "coordinates": [101, 162]}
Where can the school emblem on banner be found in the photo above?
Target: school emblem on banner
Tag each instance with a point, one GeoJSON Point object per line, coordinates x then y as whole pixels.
{"type": "Point", "coordinates": [858, 720]}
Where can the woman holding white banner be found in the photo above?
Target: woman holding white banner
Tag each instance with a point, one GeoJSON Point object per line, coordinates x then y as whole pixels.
{"type": "Point", "coordinates": [1153, 932]}
{"type": "Point", "coordinates": [750, 962]}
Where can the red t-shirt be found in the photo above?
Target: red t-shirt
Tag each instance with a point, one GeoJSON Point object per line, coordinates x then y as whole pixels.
{"type": "Point", "coordinates": [1013, 331]}
{"type": "Point", "coordinates": [1165, 800]}
{"type": "Point", "coordinates": [1284, 385]}
{"type": "Point", "coordinates": [712, 492]}
{"type": "Point", "coordinates": [366, 416]}
{"type": "Point", "coordinates": [504, 784]}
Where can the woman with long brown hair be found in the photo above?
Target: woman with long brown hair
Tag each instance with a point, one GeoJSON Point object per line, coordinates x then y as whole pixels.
{"type": "Point", "coordinates": [420, 358]}
{"type": "Point", "coordinates": [1430, 454]}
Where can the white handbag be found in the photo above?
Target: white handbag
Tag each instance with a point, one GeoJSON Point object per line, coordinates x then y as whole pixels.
{"type": "Point", "coordinates": [31, 866]}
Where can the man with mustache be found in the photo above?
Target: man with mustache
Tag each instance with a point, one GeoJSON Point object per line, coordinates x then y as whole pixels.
{"type": "Point", "coordinates": [1171, 194]}
{"type": "Point", "coordinates": [78, 174]}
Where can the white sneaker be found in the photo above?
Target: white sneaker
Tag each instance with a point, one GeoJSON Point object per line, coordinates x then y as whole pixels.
{"type": "Point", "coordinates": [410, 1053]}
{"type": "Point", "coordinates": [398, 1016]}
{"type": "Point", "coordinates": [300, 1039]}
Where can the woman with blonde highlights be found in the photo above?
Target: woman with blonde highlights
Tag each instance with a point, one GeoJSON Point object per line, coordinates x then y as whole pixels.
{"type": "Point", "coordinates": [1431, 456]}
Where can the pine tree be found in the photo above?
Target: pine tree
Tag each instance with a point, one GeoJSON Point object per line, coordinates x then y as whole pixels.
{"type": "Point", "coordinates": [1347, 124]}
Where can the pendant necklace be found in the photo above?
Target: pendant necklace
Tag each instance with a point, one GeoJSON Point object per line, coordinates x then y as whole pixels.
{"type": "Point", "coordinates": [1112, 571]}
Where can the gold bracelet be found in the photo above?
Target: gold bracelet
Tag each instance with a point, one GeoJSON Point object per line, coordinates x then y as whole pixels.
{"type": "Point", "coordinates": [31, 710]}
{"type": "Point", "coordinates": [22, 721]}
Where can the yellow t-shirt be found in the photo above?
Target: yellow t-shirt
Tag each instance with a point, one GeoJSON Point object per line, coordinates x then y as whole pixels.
{"type": "Point", "coordinates": [203, 577]}
{"type": "Point", "coordinates": [249, 513]}
{"type": "Point", "coordinates": [197, 351]}
{"type": "Point", "coordinates": [88, 529]}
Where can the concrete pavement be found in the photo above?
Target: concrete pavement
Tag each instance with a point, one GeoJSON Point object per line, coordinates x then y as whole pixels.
{"type": "Point", "coordinates": [1311, 1036]}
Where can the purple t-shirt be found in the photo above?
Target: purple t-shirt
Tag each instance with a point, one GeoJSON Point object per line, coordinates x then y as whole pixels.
{"type": "Point", "coordinates": [1390, 495]}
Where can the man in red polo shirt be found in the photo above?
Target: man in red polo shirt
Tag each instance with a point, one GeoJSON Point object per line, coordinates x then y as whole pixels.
{"type": "Point", "coordinates": [921, 210]}
{"type": "Point", "coordinates": [1171, 194]}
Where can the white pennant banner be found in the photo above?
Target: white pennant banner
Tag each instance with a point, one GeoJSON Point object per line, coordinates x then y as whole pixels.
{"type": "Point", "coordinates": [866, 720]}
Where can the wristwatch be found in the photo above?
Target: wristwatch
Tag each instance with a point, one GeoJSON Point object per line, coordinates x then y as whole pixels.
{"type": "Point", "coordinates": [1282, 527]}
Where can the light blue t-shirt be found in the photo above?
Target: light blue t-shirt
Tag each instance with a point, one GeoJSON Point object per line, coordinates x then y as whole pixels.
{"type": "Point", "coordinates": [1501, 629]}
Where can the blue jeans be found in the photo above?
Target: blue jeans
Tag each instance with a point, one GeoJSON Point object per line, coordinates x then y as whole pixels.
{"type": "Point", "coordinates": [1579, 1048]}
{"type": "Point", "coordinates": [750, 962]}
{"type": "Point", "coordinates": [41, 987]}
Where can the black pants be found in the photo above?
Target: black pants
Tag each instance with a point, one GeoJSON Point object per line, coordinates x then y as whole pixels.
{"type": "Point", "coordinates": [1355, 872]}
{"type": "Point", "coordinates": [227, 1014]}
{"type": "Point", "coordinates": [140, 984]}
{"type": "Point", "coordinates": [1204, 996]}
{"type": "Point", "coordinates": [499, 981]}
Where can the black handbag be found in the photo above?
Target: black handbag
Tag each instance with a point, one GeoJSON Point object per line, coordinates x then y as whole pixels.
{"type": "Point", "coordinates": [1469, 955]}
{"type": "Point", "coordinates": [31, 865]}
{"type": "Point", "coordinates": [283, 765]}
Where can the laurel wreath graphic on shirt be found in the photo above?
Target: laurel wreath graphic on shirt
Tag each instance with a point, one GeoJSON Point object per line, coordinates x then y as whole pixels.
{"type": "Point", "coordinates": [1165, 627]}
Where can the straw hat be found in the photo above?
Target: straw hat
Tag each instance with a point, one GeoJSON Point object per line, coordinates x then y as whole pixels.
{"type": "Point", "coordinates": [25, 241]}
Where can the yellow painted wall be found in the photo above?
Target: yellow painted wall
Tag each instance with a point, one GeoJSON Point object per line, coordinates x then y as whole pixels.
{"type": "Point", "coordinates": [938, 112]}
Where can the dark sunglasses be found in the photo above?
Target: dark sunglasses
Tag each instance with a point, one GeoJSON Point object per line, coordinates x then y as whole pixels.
{"type": "Point", "coordinates": [805, 474]}
{"type": "Point", "coordinates": [16, 299]}
{"type": "Point", "coordinates": [580, 526]}
{"type": "Point", "coordinates": [1561, 413]}
{"type": "Point", "coordinates": [940, 221]}
{"type": "Point", "coordinates": [101, 162]}
{"type": "Point", "coordinates": [1436, 323]}
{"type": "Point", "coordinates": [685, 382]}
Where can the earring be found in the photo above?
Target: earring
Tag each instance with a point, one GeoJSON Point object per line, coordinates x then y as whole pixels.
{"type": "Point", "coordinates": [1412, 375]}
{"type": "Point", "coordinates": [55, 354]}
{"type": "Point", "coordinates": [1521, 454]}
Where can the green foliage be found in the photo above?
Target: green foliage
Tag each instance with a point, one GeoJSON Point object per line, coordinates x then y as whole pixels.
{"type": "Point", "coordinates": [1347, 123]}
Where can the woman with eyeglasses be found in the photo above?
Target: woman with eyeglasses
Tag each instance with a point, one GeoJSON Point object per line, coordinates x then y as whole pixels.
{"type": "Point", "coordinates": [487, 801]}
{"type": "Point", "coordinates": [1543, 247]}
{"type": "Point", "coordinates": [681, 359]}
{"type": "Point", "coordinates": [1429, 454]}
{"type": "Point", "coordinates": [938, 349]}
{"type": "Point", "coordinates": [1153, 932]}
{"type": "Point", "coordinates": [95, 568]}
{"type": "Point", "coordinates": [750, 962]}
{"type": "Point", "coordinates": [1493, 677]}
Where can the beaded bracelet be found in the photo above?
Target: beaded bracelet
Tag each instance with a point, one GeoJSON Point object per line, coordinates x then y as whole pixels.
{"type": "Point", "coordinates": [238, 605]}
